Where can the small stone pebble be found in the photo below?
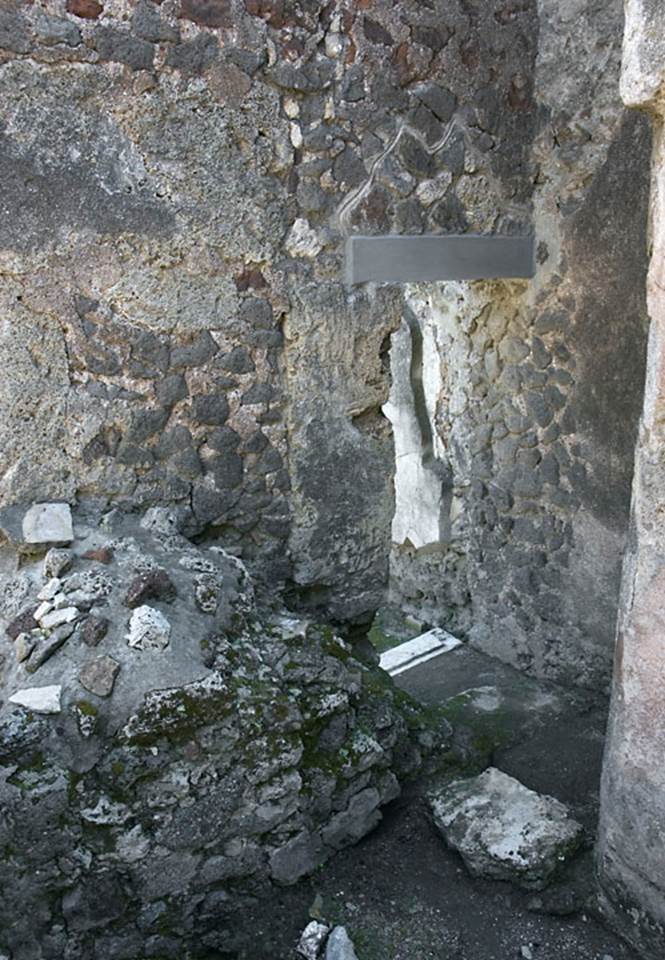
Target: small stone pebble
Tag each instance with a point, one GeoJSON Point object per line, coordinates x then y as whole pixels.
{"type": "Point", "coordinates": [148, 629]}
{"type": "Point", "coordinates": [100, 554]}
{"type": "Point", "coordinates": [53, 619]}
{"type": "Point", "coordinates": [154, 585]}
{"type": "Point", "coordinates": [47, 646]}
{"type": "Point", "coordinates": [23, 623]}
{"type": "Point", "coordinates": [57, 562]}
{"type": "Point", "coordinates": [312, 939]}
{"type": "Point", "coordinates": [44, 607]}
{"type": "Point", "coordinates": [24, 645]}
{"type": "Point", "coordinates": [98, 676]}
{"type": "Point", "coordinates": [50, 589]}
{"type": "Point", "coordinates": [94, 630]}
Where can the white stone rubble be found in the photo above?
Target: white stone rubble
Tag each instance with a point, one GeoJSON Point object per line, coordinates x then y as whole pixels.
{"type": "Point", "coordinates": [48, 523]}
{"type": "Point", "coordinates": [56, 617]}
{"type": "Point", "coordinates": [505, 831]}
{"type": "Point", "coordinates": [148, 629]}
{"type": "Point", "coordinates": [39, 699]}
{"type": "Point", "coordinates": [312, 940]}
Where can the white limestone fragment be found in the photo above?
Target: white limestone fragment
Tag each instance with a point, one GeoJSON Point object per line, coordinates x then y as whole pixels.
{"type": "Point", "coordinates": [42, 610]}
{"type": "Point", "coordinates": [50, 589]}
{"type": "Point", "coordinates": [505, 831]}
{"type": "Point", "coordinates": [302, 240]}
{"type": "Point", "coordinates": [148, 629]}
{"type": "Point", "coordinates": [48, 523]}
{"type": "Point", "coordinates": [39, 699]}
{"type": "Point", "coordinates": [56, 617]}
{"type": "Point", "coordinates": [312, 939]}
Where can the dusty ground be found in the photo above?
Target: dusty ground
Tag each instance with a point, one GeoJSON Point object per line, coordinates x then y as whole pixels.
{"type": "Point", "coordinates": [403, 896]}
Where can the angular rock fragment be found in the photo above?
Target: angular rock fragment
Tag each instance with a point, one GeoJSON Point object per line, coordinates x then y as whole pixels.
{"type": "Point", "coordinates": [300, 856]}
{"type": "Point", "coordinates": [54, 618]}
{"type": "Point", "coordinates": [23, 623]}
{"type": "Point", "coordinates": [148, 629]}
{"type": "Point", "coordinates": [153, 585]}
{"type": "Point", "coordinates": [25, 644]}
{"type": "Point", "coordinates": [504, 831]}
{"type": "Point", "coordinates": [50, 589]}
{"type": "Point", "coordinates": [100, 555]}
{"type": "Point", "coordinates": [39, 699]}
{"type": "Point", "coordinates": [98, 676]}
{"type": "Point", "coordinates": [44, 607]}
{"type": "Point", "coordinates": [312, 940]}
{"type": "Point", "coordinates": [48, 523]}
{"type": "Point", "coordinates": [340, 946]}
{"type": "Point", "coordinates": [94, 630]}
{"type": "Point", "coordinates": [48, 645]}
{"type": "Point", "coordinates": [56, 562]}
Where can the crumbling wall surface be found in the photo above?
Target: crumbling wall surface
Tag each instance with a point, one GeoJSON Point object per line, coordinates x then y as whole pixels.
{"type": "Point", "coordinates": [537, 387]}
{"type": "Point", "coordinates": [631, 865]}
{"type": "Point", "coordinates": [180, 178]}
{"type": "Point", "coordinates": [168, 751]}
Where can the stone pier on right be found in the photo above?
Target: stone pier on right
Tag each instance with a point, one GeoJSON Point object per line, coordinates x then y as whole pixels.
{"type": "Point", "coordinates": [631, 845]}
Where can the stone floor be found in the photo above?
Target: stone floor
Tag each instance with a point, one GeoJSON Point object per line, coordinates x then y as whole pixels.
{"type": "Point", "coordinates": [403, 896]}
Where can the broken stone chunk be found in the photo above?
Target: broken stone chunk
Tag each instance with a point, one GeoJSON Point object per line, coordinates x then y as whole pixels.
{"type": "Point", "coordinates": [44, 607]}
{"type": "Point", "coordinates": [504, 831]}
{"type": "Point", "coordinates": [100, 555]}
{"type": "Point", "coordinates": [312, 940]}
{"type": "Point", "coordinates": [94, 630]}
{"type": "Point", "coordinates": [340, 946]}
{"type": "Point", "coordinates": [23, 623]}
{"type": "Point", "coordinates": [48, 523]}
{"type": "Point", "coordinates": [47, 646]}
{"type": "Point", "coordinates": [96, 586]}
{"type": "Point", "coordinates": [98, 676]}
{"type": "Point", "coordinates": [50, 589]}
{"type": "Point", "coordinates": [39, 699]}
{"type": "Point", "coordinates": [53, 619]}
{"type": "Point", "coordinates": [153, 585]}
{"type": "Point", "coordinates": [148, 629]}
{"type": "Point", "coordinates": [57, 562]}
{"type": "Point", "coordinates": [25, 644]}
{"type": "Point", "coordinates": [206, 591]}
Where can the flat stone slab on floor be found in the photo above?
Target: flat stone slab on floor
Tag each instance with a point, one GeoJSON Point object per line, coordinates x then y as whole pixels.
{"type": "Point", "coordinates": [504, 831]}
{"type": "Point", "coordinates": [418, 650]}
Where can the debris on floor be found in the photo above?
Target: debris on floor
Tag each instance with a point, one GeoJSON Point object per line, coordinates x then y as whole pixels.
{"type": "Point", "coordinates": [504, 831]}
{"type": "Point", "coordinates": [338, 945]}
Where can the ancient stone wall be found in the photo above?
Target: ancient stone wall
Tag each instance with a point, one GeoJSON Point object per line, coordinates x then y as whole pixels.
{"type": "Point", "coordinates": [534, 389]}
{"type": "Point", "coordinates": [181, 177]}
{"type": "Point", "coordinates": [182, 174]}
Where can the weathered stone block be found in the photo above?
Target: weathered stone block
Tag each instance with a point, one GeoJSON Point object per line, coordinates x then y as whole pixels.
{"type": "Point", "coordinates": [504, 831]}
